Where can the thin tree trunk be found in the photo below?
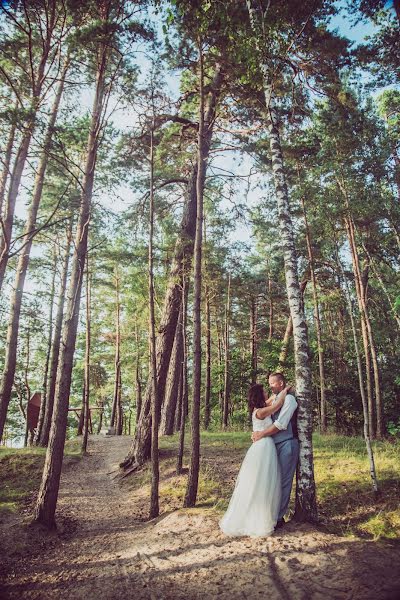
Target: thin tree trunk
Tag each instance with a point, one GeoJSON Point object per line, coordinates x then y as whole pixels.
{"type": "Point", "coordinates": [368, 334]}
{"type": "Point", "coordinates": [6, 164]}
{"type": "Point", "coordinates": [271, 310]}
{"type": "Point", "coordinates": [193, 478]}
{"type": "Point", "coordinates": [27, 386]}
{"type": "Point", "coordinates": [100, 425]}
{"type": "Point", "coordinates": [140, 449]}
{"type": "Point", "coordinates": [155, 468]}
{"type": "Point", "coordinates": [48, 493]}
{"type": "Point", "coordinates": [220, 364]}
{"type": "Point", "coordinates": [253, 339]}
{"type": "Point", "coordinates": [87, 364]}
{"type": "Point", "coordinates": [184, 379]}
{"type": "Point", "coordinates": [207, 387]}
{"type": "Point", "coordinates": [48, 353]}
{"type": "Point", "coordinates": [49, 402]}
{"type": "Point", "coordinates": [306, 504]}
{"type": "Point", "coordinates": [207, 384]}
{"type": "Point", "coordinates": [120, 412]}
{"type": "Point", "coordinates": [81, 417]}
{"type": "Point", "coordinates": [226, 358]}
{"type": "Point", "coordinates": [367, 438]}
{"type": "Point", "coordinates": [23, 263]}
{"type": "Point", "coordinates": [117, 360]}
{"type": "Point", "coordinates": [173, 383]}
{"type": "Point", "coordinates": [138, 385]}
{"type": "Point", "coordinates": [323, 413]}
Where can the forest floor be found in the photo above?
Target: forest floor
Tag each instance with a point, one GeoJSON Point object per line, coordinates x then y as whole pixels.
{"type": "Point", "coordinates": [105, 549]}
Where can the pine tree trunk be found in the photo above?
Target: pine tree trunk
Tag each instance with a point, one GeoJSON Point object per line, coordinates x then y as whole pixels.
{"type": "Point", "coordinates": [117, 360]}
{"type": "Point", "coordinates": [306, 504]}
{"type": "Point", "coordinates": [184, 397]}
{"type": "Point", "coordinates": [271, 310]}
{"type": "Point", "coordinates": [48, 353]}
{"type": "Point", "coordinates": [323, 413]}
{"type": "Point", "coordinates": [367, 438]}
{"type": "Point", "coordinates": [155, 412]}
{"type": "Point", "coordinates": [120, 412]}
{"type": "Point", "coordinates": [138, 386]}
{"type": "Point", "coordinates": [23, 263]}
{"type": "Point", "coordinates": [226, 358]}
{"type": "Point", "coordinates": [253, 339]}
{"type": "Point", "coordinates": [48, 493]}
{"type": "Point", "coordinates": [6, 164]}
{"type": "Point", "coordinates": [87, 364]}
{"type": "Point", "coordinates": [55, 351]}
{"type": "Point", "coordinates": [193, 478]}
{"type": "Point", "coordinates": [173, 383]}
{"type": "Point", "coordinates": [140, 449]}
{"type": "Point", "coordinates": [220, 365]}
{"type": "Point", "coordinates": [207, 387]}
{"type": "Point", "coordinates": [369, 341]}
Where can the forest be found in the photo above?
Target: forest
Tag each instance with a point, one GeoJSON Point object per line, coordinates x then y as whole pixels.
{"type": "Point", "coordinates": [195, 194]}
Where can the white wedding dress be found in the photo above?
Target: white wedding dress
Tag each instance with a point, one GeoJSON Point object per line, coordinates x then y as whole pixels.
{"type": "Point", "coordinates": [253, 508]}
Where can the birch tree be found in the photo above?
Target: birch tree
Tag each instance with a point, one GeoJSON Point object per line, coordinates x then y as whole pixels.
{"type": "Point", "coordinates": [306, 507]}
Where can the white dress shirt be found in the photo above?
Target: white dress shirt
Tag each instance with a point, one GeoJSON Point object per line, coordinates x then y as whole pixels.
{"type": "Point", "coordinates": [287, 410]}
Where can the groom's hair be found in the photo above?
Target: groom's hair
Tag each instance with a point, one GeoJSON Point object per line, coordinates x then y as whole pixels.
{"type": "Point", "coordinates": [279, 375]}
{"type": "Point", "coordinates": [256, 397]}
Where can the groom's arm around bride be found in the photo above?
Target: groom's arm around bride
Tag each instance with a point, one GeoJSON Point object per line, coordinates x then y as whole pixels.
{"type": "Point", "coordinates": [284, 433]}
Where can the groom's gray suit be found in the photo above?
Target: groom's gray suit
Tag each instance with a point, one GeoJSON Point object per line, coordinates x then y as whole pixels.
{"type": "Point", "coordinates": [287, 447]}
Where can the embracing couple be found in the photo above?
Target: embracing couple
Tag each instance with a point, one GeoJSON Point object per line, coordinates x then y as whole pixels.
{"type": "Point", "coordinates": [262, 492]}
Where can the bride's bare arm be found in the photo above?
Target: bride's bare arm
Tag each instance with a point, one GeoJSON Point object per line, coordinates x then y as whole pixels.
{"type": "Point", "coordinates": [261, 413]}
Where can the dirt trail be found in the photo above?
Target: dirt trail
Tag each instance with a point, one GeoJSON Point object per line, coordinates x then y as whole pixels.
{"type": "Point", "coordinates": [103, 552]}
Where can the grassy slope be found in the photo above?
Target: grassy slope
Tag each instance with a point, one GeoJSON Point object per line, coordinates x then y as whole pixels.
{"type": "Point", "coordinates": [21, 473]}
{"type": "Point", "coordinates": [346, 502]}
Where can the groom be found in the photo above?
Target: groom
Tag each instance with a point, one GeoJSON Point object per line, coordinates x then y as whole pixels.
{"type": "Point", "coordinates": [284, 434]}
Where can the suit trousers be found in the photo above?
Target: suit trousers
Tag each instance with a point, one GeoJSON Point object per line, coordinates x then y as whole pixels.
{"type": "Point", "coordinates": [288, 455]}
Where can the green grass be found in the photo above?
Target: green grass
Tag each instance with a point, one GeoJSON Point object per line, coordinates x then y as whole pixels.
{"type": "Point", "coordinates": [21, 473]}
{"type": "Point", "coordinates": [346, 502]}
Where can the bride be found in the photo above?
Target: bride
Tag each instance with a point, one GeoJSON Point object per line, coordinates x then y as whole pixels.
{"type": "Point", "coordinates": [253, 508]}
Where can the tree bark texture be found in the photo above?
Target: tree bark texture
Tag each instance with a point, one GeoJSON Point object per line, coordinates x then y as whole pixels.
{"type": "Point", "coordinates": [117, 359]}
{"type": "Point", "coordinates": [226, 399]}
{"type": "Point", "coordinates": [288, 334]}
{"type": "Point", "coordinates": [253, 338]}
{"type": "Point", "coordinates": [207, 385]}
{"type": "Point", "coordinates": [173, 382]}
{"type": "Point", "coordinates": [87, 364]}
{"type": "Point", "coordinates": [184, 395]}
{"type": "Point", "coordinates": [155, 400]}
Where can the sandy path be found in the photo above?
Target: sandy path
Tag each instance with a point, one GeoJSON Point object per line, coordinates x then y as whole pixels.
{"type": "Point", "coordinates": [104, 552]}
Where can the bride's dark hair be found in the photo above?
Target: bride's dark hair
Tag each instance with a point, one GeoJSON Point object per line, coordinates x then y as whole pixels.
{"type": "Point", "coordinates": [256, 397]}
